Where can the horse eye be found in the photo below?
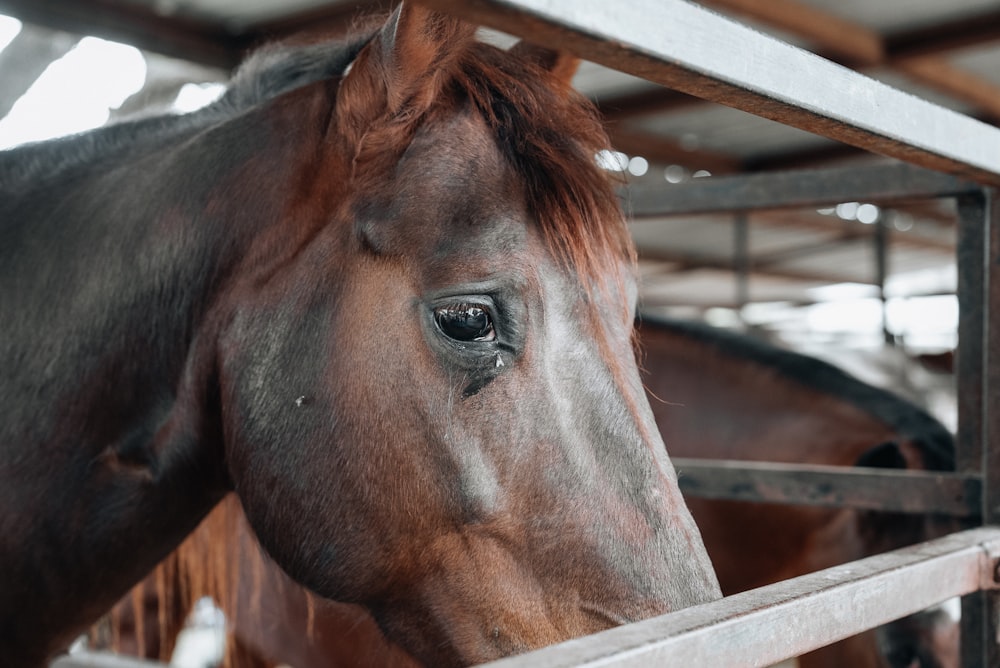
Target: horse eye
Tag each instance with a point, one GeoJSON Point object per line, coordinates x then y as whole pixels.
{"type": "Point", "coordinates": [465, 322]}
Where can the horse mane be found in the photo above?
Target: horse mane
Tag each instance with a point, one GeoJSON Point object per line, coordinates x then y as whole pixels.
{"type": "Point", "coordinates": [935, 441]}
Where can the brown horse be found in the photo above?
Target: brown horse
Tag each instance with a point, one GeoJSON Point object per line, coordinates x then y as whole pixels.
{"type": "Point", "coordinates": [724, 395]}
{"type": "Point", "coordinates": [383, 292]}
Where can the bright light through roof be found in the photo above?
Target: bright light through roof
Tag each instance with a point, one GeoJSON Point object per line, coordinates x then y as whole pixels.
{"type": "Point", "coordinates": [93, 78]}
{"type": "Point", "coordinates": [9, 27]}
{"type": "Point", "coordinates": [195, 96]}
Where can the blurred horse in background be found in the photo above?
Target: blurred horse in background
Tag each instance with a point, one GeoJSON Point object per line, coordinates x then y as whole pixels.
{"type": "Point", "coordinates": [718, 394]}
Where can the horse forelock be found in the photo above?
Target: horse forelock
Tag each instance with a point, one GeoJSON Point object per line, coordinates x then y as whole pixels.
{"type": "Point", "coordinates": [549, 136]}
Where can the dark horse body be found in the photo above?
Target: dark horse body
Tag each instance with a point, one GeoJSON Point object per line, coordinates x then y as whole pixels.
{"type": "Point", "coordinates": [236, 300]}
{"type": "Point", "coordinates": [716, 394]}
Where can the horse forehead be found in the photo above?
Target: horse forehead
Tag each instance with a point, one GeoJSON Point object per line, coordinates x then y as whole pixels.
{"type": "Point", "coordinates": [454, 167]}
{"type": "Point", "coordinates": [459, 194]}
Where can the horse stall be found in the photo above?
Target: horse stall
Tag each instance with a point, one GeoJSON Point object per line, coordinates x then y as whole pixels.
{"type": "Point", "coordinates": [940, 155]}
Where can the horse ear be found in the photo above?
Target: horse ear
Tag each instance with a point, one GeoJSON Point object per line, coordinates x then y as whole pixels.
{"type": "Point", "coordinates": [402, 66]}
{"type": "Point", "coordinates": [561, 65]}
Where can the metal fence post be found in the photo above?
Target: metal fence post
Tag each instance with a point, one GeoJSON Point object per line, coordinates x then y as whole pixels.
{"type": "Point", "coordinates": [978, 378]}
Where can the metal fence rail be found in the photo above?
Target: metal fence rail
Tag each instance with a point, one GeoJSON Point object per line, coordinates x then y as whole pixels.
{"type": "Point", "coordinates": [89, 659]}
{"type": "Point", "coordinates": [763, 626]}
{"type": "Point", "coordinates": [688, 48]}
{"type": "Point", "coordinates": [879, 184]}
{"type": "Point", "coordinates": [904, 491]}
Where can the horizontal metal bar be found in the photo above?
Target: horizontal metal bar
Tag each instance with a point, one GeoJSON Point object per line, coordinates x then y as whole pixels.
{"type": "Point", "coordinates": [694, 50]}
{"type": "Point", "coordinates": [878, 184]}
{"type": "Point", "coordinates": [906, 491]}
{"type": "Point", "coordinates": [773, 623]}
{"type": "Point", "coordinates": [89, 659]}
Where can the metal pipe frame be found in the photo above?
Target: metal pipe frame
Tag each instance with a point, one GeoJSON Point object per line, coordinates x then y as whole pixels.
{"type": "Point", "coordinates": [978, 371]}
{"type": "Point", "coordinates": [779, 621]}
{"type": "Point", "coordinates": [884, 184]}
{"type": "Point", "coordinates": [677, 44]}
{"type": "Point", "coordinates": [902, 491]}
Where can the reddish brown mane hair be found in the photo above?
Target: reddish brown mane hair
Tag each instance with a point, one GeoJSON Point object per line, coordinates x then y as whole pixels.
{"type": "Point", "coordinates": [549, 134]}
{"type": "Point", "coordinates": [552, 136]}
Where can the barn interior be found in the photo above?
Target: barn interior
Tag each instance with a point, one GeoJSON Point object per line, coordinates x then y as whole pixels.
{"type": "Point", "coordinates": [869, 285]}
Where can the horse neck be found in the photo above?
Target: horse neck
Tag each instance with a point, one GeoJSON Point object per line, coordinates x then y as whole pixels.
{"type": "Point", "coordinates": [719, 403]}
{"type": "Point", "coordinates": [111, 282]}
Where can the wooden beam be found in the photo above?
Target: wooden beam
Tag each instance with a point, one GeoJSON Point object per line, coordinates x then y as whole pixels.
{"type": "Point", "coordinates": [920, 54]}
{"type": "Point", "coordinates": [938, 73]}
{"type": "Point", "coordinates": [773, 623]}
{"type": "Point", "coordinates": [669, 152]}
{"type": "Point", "coordinates": [804, 220]}
{"type": "Point", "coordinates": [944, 37]}
{"type": "Point", "coordinates": [846, 239]}
{"type": "Point", "coordinates": [770, 265]}
{"type": "Point", "coordinates": [858, 46]}
{"type": "Point", "coordinates": [644, 103]}
{"type": "Point", "coordinates": [134, 24]}
{"type": "Point", "coordinates": [691, 262]}
{"type": "Point", "coordinates": [840, 39]}
{"type": "Point", "coordinates": [331, 20]}
{"type": "Point", "coordinates": [928, 211]}
{"type": "Point", "coordinates": [703, 305]}
{"type": "Point", "coordinates": [676, 44]}
{"type": "Point", "coordinates": [811, 157]}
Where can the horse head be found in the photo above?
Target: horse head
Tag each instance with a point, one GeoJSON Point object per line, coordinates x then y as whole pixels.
{"type": "Point", "coordinates": [432, 406]}
{"type": "Point", "coordinates": [383, 291]}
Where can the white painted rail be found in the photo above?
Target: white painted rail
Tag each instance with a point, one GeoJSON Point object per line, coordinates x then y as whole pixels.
{"type": "Point", "coordinates": [686, 47]}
